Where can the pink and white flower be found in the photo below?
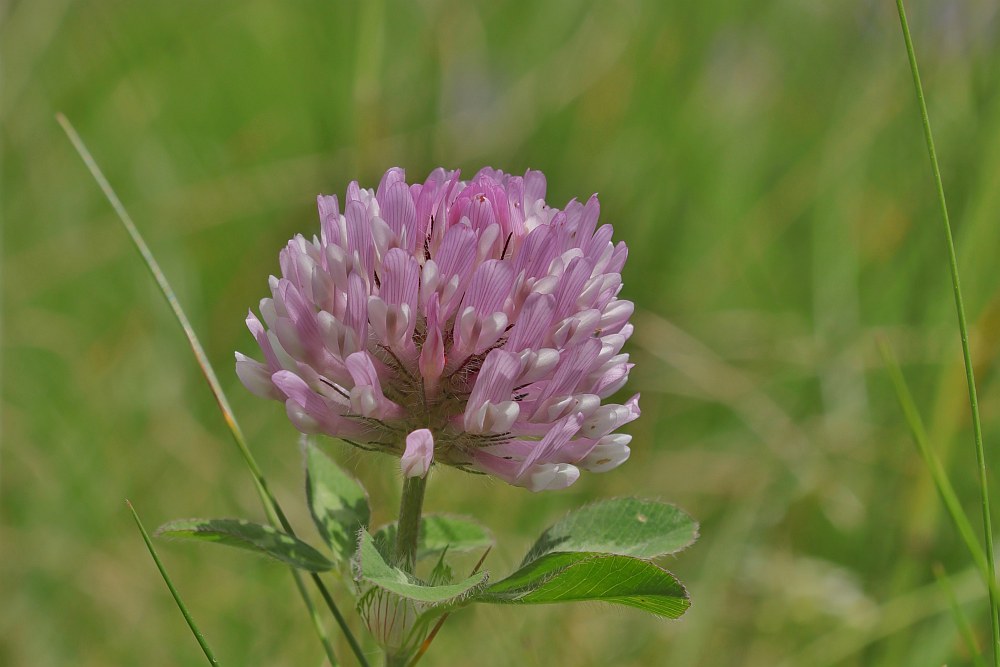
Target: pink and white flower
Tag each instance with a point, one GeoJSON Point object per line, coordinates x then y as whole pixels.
{"type": "Point", "coordinates": [469, 316]}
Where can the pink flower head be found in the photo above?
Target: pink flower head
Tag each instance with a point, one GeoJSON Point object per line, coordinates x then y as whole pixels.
{"type": "Point", "coordinates": [471, 310]}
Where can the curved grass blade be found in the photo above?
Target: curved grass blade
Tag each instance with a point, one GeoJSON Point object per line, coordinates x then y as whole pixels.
{"type": "Point", "coordinates": [963, 329]}
{"type": "Point", "coordinates": [961, 621]}
{"type": "Point", "coordinates": [846, 644]}
{"type": "Point", "coordinates": [933, 463]}
{"type": "Point", "coordinates": [274, 513]}
{"type": "Point", "coordinates": [173, 591]}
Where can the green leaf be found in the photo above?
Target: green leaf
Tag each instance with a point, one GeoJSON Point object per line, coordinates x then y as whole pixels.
{"type": "Point", "coordinates": [599, 553]}
{"type": "Point", "coordinates": [375, 569]}
{"type": "Point", "coordinates": [621, 526]}
{"type": "Point", "coordinates": [454, 533]}
{"type": "Point", "coordinates": [574, 577]}
{"type": "Point", "coordinates": [439, 532]}
{"type": "Point", "coordinates": [337, 502]}
{"type": "Point", "coordinates": [251, 536]}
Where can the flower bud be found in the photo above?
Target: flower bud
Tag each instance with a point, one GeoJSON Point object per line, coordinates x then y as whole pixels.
{"type": "Point", "coordinates": [419, 453]}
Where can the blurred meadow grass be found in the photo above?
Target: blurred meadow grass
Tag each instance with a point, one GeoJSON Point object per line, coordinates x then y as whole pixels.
{"type": "Point", "coordinates": [764, 162]}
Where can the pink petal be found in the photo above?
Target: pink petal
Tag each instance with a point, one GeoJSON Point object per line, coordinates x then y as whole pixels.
{"type": "Point", "coordinates": [296, 389]}
{"type": "Point", "coordinates": [359, 235]}
{"type": "Point", "coordinates": [257, 329]}
{"type": "Point", "coordinates": [616, 315]}
{"type": "Point", "coordinates": [532, 323]}
{"type": "Point", "coordinates": [391, 177]}
{"type": "Point", "coordinates": [399, 211]}
{"type": "Point", "coordinates": [536, 253]}
{"type": "Point", "coordinates": [534, 186]}
{"type": "Point", "coordinates": [602, 239]}
{"type": "Point", "coordinates": [557, 437]}
{"type": "Point", "coordinates": [481, 212]}
{"type": "Point", "coordinates": [256, 377]}
{"type": "Point", "coordinates": [356, 315]}
{"type": "Point", "coordinates": [587, 222]}
{"type": "Point", "coordinates": [495, 382]}
{"type": "Point", "coordinates": [400, 278]}
{"type": "Point", "coordinates": [457, 252]}
{"type": "Point", "coordinates": [432, 354]}
{"type": "Point", "coordinates": [571, 286]}
{"type": "Point", "coordinates": [573, 367]}
{"type": "Point", "coordinates": [329, 215]}
{"type": "Point", "coordinates": [489, 288]}
{"type": "Point", "coordinates": [367, 398]}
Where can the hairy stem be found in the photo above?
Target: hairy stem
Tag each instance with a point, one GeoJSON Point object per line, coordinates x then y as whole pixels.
{"type": "Point", "coordinates": [408, 527]}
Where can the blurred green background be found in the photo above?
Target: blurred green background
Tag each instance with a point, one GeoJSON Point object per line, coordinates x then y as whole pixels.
{"type": "Point", "coordinates": [764, 162]}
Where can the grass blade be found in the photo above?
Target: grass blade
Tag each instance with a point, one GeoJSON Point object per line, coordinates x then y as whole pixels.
{"type": "Point", "coordinates": [173, 591]}
{"type": "Point", "coordinates": [933, 463]}
{"type": "Point", "coordinates": [963, 329]}
{"type": "Point", "coordinates": [960, 619]}
{"type": "Point", "coordinates": [273, 511]}
{"type": "Point", "coordinates": [846, 644]}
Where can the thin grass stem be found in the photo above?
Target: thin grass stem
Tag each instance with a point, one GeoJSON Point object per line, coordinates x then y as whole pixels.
{"type": "Point", "coordinates": [212, 660]}
{"type": "Point", "coordinates": [963, 331]}
{"type": "Point", "coordinates": [272, 509]}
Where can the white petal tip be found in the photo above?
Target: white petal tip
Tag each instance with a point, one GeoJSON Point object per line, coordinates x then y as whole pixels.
{"type": "Point", "coordinates": [552, 477]}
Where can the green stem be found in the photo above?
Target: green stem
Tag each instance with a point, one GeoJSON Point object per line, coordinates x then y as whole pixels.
{"type": "Point", "coordinates": [408, 526]}
{"type": "Point", "coordinates": [964, 332]}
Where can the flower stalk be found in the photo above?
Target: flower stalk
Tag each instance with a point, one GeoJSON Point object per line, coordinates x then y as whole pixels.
{"type": "Point", "coordinates": [408, 528]}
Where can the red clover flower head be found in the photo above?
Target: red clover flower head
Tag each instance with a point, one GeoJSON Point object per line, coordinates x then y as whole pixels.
{"type": "Point", "coordinates": [463, 323]}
